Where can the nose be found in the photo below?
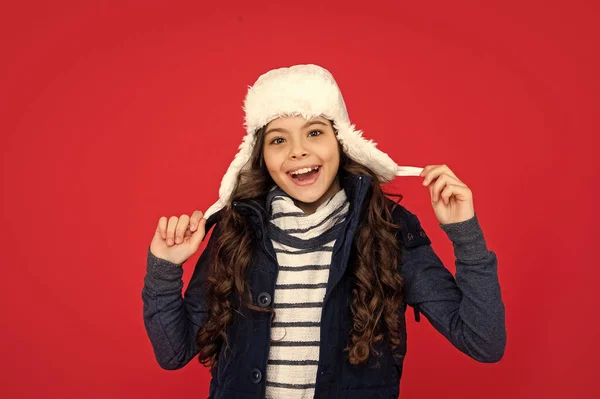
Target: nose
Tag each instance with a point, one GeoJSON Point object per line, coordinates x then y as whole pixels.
{"type": "Point", "coordinates": [299, 155]}
{"type": "Point", "coordinates": [298, 151]}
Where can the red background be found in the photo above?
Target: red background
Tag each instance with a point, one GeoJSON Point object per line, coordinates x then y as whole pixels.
{"type": "Point", "coordinates": [116, 113]}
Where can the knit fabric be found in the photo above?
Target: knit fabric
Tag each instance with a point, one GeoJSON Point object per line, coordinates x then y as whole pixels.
{"type": "Point", "coordinates": [303, 245]}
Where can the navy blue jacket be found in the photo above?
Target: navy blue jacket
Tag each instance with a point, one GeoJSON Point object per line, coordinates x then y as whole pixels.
{"type": "Point", "coordinates": [468, 310]}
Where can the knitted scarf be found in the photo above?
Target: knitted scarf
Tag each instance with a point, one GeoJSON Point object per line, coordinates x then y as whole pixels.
{"type": "Point", "coordinates": [303, 245]}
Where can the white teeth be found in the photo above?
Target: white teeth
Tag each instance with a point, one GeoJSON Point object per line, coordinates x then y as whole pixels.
{"type": "Point", "coordinates": [303, 170]}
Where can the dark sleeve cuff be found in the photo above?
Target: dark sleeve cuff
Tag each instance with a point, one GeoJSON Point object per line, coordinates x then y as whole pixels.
{"type": "Point", "coordinates": [162, 270]}
{"type": "Point", "coordinates": [467, 238]}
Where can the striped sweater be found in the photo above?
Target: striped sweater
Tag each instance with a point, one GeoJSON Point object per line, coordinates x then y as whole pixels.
{"type": "Point", "coordinates": [303, 245]}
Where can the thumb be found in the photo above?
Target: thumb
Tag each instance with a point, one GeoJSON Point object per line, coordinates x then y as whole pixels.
{"type": "Point", "coordinates": [198, 235]}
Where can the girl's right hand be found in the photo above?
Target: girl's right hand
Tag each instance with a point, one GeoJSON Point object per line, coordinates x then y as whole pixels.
{"type": "Point", "coordinates": [177, 239]}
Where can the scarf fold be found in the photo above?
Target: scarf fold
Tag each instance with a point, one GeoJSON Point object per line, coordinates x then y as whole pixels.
{"type": "Point", "coordinates": [290, 226]}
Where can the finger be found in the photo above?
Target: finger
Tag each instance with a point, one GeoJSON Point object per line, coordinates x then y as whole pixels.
{"type": "Point", "coordinates": [182, 225]}
{"type": "Point", "coordinates": [432, 173]}
{"type": "Point", "coordinates": [454, 180]}
{"type": "Point", "coordinates": [171, 230]}
{"type": "Point", "coordinates": [446, 170]}
{"type": "Point", "coordinates": [198, 235]}
{"type": "Point", "coordinates": [449, 179]}
{"type": "Point", "coordinates": [436, 171]}
{"type": "Point", "coordinates": [162, 227]}
{"type": "Point", "coordinates": [196, 216]}
{"type": "Point", "coordinates": [458, 191]}
{"type": "Point", "coordinates": [426, 170]}
{"type": "Point", "coordinates": [437, 187]}
{"type": "Point", "coordinates": [440, 183]}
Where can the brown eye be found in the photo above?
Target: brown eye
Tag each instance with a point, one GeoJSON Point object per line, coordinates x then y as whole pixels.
{"type": "Point", "coordinates": [278, 140]}
{"type": "Point", "coordinates": [318, 133]}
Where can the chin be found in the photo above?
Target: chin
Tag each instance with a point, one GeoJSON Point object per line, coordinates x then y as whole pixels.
{"type": "Point", "coordinates": [306, 196]}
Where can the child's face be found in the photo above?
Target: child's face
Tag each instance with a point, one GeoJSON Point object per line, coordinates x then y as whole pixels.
{"type": "Point", "coordinates": [294, 144]}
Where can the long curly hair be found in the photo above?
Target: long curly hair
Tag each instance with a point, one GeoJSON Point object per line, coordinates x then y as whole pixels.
{"type": "Point", "coordinates": [377, 294]}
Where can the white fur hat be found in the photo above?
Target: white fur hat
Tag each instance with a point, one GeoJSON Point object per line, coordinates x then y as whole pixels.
{"type": "Point", "coordinates": [308, 91]}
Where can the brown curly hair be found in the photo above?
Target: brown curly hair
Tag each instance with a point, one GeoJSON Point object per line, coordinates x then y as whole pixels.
{"type": "Point", "coordinates": [378, 291]}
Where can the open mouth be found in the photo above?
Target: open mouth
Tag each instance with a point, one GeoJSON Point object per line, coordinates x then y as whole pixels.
{"type": "Point", "coordinates": [305, 176]}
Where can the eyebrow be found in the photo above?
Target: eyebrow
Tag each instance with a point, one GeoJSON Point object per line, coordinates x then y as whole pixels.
{"type": "Point", "coordinates": [307, 124]}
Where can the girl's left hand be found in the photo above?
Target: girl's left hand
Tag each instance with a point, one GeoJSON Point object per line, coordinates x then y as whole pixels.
{"type": "Point", "coordinates": [451, 199]}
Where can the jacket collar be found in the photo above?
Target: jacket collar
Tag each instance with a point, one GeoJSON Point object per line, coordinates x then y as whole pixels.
{"type": "Point", "coordinates": [356, 188]}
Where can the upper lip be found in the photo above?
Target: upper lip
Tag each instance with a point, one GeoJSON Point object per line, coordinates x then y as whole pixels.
{"type": "Point", "coordinates": [302, 167]}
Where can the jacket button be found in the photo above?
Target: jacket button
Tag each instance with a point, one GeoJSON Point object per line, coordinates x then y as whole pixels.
{"type": "Point", "coordinates": [409, 236]}
{"type": "Point", "coordinates": [264, 299]}
{"type": "Point", "coordinates": [422, 234]}
{"type": "Point", "coordinates": [256, 376]}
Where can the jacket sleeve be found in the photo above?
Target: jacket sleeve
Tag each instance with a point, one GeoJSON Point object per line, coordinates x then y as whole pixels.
{"type": "Point", "coordinates": [468, 310]}
{"type": "Point", "coordinates": [172, 321]}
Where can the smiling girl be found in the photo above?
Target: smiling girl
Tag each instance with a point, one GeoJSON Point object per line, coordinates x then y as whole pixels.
{"type": "Point", "coordinates": [303, 286]}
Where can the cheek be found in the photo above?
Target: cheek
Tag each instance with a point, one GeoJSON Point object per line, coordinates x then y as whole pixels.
{"type": "Point", "coordinates": [332, 156]}
{"type": "Point", "coordinates": [272, 162]}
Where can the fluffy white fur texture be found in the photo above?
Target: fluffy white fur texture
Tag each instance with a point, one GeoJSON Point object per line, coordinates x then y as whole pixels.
{"type": "Point", "coordinates": [309, 91]}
